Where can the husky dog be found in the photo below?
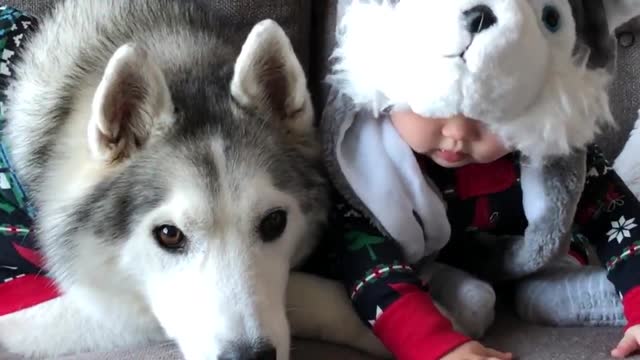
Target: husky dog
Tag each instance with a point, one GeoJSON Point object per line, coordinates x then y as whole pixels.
{"type": "Point", "coordinates": [175, 181]}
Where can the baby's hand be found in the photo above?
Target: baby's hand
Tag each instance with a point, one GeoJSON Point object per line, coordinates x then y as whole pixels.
{"type": "Point", "coordinates": [473, 350]}
{"type": "Point", "coordinates": [629, 344]}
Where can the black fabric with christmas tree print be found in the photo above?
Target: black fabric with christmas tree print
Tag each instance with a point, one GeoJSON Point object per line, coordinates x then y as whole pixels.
{"type": "Point", "coordinates": [607, 218]}
{"type": "Point", "coordinates": [368, 261]}
{"type": "Point", "coordinates": [355, 253]}
{"type": "Point", "coordinates": [384, 289]}
{"type": "Point", "coordinates": [482, 198]}
{"type": "Point", "coordinates": [488, 198]}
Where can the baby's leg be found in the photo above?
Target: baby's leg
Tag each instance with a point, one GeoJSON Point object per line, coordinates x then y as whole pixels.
{"type": "Point", "coordinates": [467, 301]}
{"type": "Point", "coordinates": [567, 294]}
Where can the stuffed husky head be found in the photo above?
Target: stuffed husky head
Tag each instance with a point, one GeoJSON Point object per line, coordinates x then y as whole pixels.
{"type": "Point", "coordinates": [525, 68]}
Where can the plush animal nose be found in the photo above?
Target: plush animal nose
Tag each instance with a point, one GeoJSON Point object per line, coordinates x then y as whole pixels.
{"type": "Point", "coordinates": [249, 352]}
{"type": "Point", "coordinates": [479, 18]}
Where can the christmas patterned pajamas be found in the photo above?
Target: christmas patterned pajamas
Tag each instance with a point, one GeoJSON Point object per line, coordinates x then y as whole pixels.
{"type": "Point", "coordinates": [386, 292]}
{"type": "Point", "coordinates": [488, 198]}
{"type": "Point", "coordinates": [389, 297]}
{"type": "Point", "coordinates": [607, 218]}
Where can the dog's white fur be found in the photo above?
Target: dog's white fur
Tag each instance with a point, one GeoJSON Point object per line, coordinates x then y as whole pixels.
{"type": "Point", "coordinates": [409, 48]}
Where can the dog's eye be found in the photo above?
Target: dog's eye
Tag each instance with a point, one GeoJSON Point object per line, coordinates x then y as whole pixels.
{"type": "Point", "coordinates": [551, 18]}
{"type": "Point", "coordinates": [169, 237]}
{"type": "Point", "coordinates": [272, 225]}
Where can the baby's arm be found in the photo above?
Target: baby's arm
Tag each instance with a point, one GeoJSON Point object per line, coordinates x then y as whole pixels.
{"type": "Point", "coordinates": [388, 295]}
{"type": "Point", "coordinates": [607, 217]}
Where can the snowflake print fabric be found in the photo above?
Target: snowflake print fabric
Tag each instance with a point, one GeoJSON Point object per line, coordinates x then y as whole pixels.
{"type": "Point", "coordinates": [608, 218]}
{"type": "Point", "coordinates": [620, 229]}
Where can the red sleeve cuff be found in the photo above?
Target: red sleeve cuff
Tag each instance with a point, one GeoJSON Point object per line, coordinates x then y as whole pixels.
{"type": "Point", "coordinates": [412, 328]}
{"type": "Point", "coordinates": [631, 303]}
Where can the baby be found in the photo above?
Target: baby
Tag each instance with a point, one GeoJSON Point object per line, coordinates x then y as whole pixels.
{"type": "Point", "coordinates": [384, 287]}
{"type": "Point", "coordinates": [458, 142]}
{"type": "Point", "coordinates": [535, 75]}
{"type": "Point", "coordinates": [387, 293]}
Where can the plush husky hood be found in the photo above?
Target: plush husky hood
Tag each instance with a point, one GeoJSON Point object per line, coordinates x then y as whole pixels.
{"type": "Point", "coordinates": [378, 173]}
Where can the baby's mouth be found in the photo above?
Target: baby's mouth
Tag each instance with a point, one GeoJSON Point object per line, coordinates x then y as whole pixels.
{"type": "Point", "coordinates": [451, 156]}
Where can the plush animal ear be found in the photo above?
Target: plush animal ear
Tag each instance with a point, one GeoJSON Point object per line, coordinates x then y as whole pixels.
{"type": "Point", "coordinates": [596, 21]}
{"type": "Point", "coordinates": [131, 96]}
{"type": "Point", "coordinates": [620, 11]}
{"type": "Point", "coordinates": [269, 79]}
{"type": "Point", "coordinates": [592, 31]}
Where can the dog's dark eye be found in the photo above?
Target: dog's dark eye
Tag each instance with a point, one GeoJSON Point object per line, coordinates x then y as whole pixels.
{"type": "Point", "coordinates": [272, 225]}
{"type": "Point", "coordinates": [169, 237]}
{"type": "Point", "coordinates": [551, 18]}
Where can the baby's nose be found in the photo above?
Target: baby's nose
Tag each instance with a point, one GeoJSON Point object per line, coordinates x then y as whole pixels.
{"type": "Point", "coordinates": [460, 129]}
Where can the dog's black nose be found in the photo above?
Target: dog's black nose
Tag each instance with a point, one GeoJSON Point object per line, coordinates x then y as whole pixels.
{"type": "Point", "coordinates": [479, 18]}
{"type": "Point", "coordinates": [249, 352]}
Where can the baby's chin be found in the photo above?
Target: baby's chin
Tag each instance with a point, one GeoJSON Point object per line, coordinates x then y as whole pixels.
{"type": "Point", "coordinates": [466, 160]}
{"type": "Point", "coordinates": [446, 164]}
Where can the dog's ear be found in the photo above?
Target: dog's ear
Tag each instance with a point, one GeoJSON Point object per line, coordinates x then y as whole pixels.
{"type": "Point", "coordinates": [131, 96]}
{"type": "Point", "coordinates": [269, 79]}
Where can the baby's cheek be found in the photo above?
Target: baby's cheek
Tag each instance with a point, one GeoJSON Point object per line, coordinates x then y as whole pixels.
{"type": "Point", "coordinates": [420, 136]}
{"type": "Point", "coordinates": [491, 149]}
{"type": "Point", "coordinates": [420, 146]}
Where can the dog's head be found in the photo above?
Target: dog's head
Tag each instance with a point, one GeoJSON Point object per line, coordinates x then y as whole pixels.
{"type": "Point", "coordinates": [521, 66]}
{"type": "Point", "coordinates": [217, 191]}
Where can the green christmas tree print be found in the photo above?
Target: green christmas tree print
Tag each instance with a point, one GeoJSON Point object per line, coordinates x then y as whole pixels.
{"type": "Point", "coordinates": [359, 240]}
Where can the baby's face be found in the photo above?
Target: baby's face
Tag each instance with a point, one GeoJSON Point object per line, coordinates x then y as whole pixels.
{"type": "Point", "coordinates": [450, 142]}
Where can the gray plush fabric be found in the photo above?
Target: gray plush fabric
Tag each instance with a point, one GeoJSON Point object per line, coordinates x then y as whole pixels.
{"type": "Point", "coordinates": [528, 341]}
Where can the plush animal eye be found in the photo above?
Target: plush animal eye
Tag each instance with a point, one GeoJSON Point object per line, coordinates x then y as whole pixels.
{"type": "Point", "coordinates": [169, 237]}
{"type": "Point", "coordinates": [551, 18]}
{"type": "Point", "coordinates": [273, 225]}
